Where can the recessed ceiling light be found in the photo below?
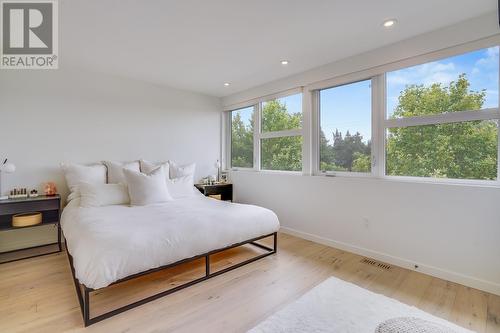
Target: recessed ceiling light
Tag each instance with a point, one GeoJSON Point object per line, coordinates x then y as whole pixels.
{"type": "Point", "coordinates": [284, 62]}
{"type": "Point", "coordinates": [389, 23]}
{"type": "Point", "coordinates": [226, 84]}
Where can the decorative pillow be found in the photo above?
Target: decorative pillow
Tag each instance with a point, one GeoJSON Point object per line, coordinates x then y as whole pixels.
{"type": "Point", "coordinates": [146, 189]}
{"type": "Point", "coordinates": [148, 167]}
{"type": "Point", "coordinates": [96, 195]}
{"type": "Point", "coordinates": [181, 187]}
{"type": "Point", "coordinates": [177, 171]}
{"type": "Point", "coordinates": [411, 325]}
{"type": "Point", "coordinates": [76, 174]}
{"type": "Point", "coordinates": [115, 170]}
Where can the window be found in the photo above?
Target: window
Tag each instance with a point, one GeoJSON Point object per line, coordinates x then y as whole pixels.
{"type": "Point", "coordinates": [281, 137]}
{"type": "Point", "coordinates": [282, 114]}
{"type": "Point", "coordinates": [461, 83]}
{"type": "Point", "coordinates": [283, 153]}
{"type": "Point", "coordinates": [345, 127]}
{"type": "Point", "coordinates": [242, 137]}
{"type": "Point", "coordinates": [462, 150]}
{"type": "Point", "coordinates": [442, 118]}
{"type": "Point", "coordinates": [438, 120]}
{"type": "Point", "coordinates": [277, 143]}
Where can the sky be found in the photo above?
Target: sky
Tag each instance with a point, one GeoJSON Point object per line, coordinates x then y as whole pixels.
{"type": "Point", "coordinates": [348, 107]}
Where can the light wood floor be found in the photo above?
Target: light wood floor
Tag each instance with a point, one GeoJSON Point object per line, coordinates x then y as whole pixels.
{"type": "Point", "coordinates": [37, 295]}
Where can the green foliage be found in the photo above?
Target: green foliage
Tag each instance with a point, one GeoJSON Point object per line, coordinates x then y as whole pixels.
{"type": "Point", "coordinates": [361, 163]}
{"type": "Point", "coordinates": [466, 150]}
{"type": "Point", "coordinates": [241, 142]}
{"type": "Point", "coordinates": [284, 153]}
{"type": "Point", "coordinates": [276, 118]}
{"type": "Point", "coordinates": [346, 153]}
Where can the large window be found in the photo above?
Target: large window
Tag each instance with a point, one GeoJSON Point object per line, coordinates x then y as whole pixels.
{"type": "Point", "coordinates": [281, 137]}
{"type": "Point", "coordinates": [242, 137]}
{"type": "Point", "coordinates": [441, 118]}
{"type": "Point", "coordinates": [278, 139]}
{"type": "Point", "coordinates": [436, 120]}
{"type": "Point", "coordinates": [345, 127]}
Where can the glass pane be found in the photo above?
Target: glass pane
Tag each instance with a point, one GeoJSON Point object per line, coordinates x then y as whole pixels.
{"type": "Point", "coordinates": [242, 138]}
{"type": "Point", "coordinates": [467, 150]}
{"type": "Point", "coordinates": [465, 82]}
{"type": "Point", "coordinates": [345, 127]}
{"type": "Point", "coordinates": [282, 114]}
{"type": "Point", "coordinates": [284, 153]}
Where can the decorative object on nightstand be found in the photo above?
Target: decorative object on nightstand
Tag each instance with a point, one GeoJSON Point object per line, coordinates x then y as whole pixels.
{"type": "Point", "coordinates": [49, 189]}
{"type": "Point", "coordinates": [26, 219]}
{"type": "Point", "coordinates": [5, 167]}
{"type": "Point", "coordinates": [30, 213]}
{"type": "Point", "coordinates": [18, 193]}
{"type": "Point", "coordinates": [224, 191]}
{"type": "Point", "coordinates": [224, 177]}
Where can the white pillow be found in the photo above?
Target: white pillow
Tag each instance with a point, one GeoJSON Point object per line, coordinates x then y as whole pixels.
{"type": "Point", "coordinates": [146, 189]}
{"type": "Point", "coordinates": [76, 174]}
{"type": "Point", "coordinates": [177, 171]}
{"type": "Point", "coordinates": [96, 195]}
{"type": "Point", "coordinates": [115, 170]}
{"type": "Point", "coordinates": [181, 187]}
{"type": "Point", "coordinates": [148, 167]}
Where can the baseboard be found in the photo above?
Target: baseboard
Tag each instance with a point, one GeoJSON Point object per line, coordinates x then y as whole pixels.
{"type": "Point", "coordinates": [465, 280]}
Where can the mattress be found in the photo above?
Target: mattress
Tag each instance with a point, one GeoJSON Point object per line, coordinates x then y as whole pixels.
{"type": "Point", "coordinates": [112, 242]}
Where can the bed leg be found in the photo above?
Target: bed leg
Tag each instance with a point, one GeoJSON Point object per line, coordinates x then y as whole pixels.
{"type": "Point", "coordinates": [275, 237]}
{"type": "Point", "coordinates": [207, 265]}
{"type": "Point", "coordinates": [86, 303]}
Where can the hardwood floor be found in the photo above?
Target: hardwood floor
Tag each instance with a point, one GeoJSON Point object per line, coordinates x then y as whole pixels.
{"type": "Point", "coordinates": [37, 295]}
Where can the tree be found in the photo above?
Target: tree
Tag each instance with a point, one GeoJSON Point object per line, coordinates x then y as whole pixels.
{"type": "Point", "coordinates": [283, 153]}
{"type": "Point", "coordinates": [454, 150]}
{"type": "Point", "coordinates": [346, 153]}
{"type": "Point", "coordinates": [241, 142]}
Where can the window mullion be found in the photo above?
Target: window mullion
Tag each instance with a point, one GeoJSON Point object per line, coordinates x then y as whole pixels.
{"type": "Point", "coordinates": [226, 140]}
{"type": "Point", "coordinates": [315, 132]}
{"type": "Point", "coordinates": [257, 135]}
{"type": "Point", "coordinates": [380, 117]}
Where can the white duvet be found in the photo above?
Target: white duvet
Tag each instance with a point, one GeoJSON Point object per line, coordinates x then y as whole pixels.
{"type": "Point", "coordinates": [112, 242]}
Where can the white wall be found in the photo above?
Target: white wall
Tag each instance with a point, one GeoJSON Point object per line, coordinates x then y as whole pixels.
{"type": "Point", "coordinates": [48, 117]}
{"type": "Point", "coordinates": [450, 231]}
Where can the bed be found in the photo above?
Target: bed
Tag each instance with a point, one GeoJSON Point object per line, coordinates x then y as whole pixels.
{"type": "Point", "coordinates": [111, 244]}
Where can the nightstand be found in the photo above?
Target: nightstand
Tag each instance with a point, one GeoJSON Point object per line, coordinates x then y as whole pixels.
{"type": "Point", "coordinates": [224, 190]}
{"type": "Point", "coordinates": [49, 206]}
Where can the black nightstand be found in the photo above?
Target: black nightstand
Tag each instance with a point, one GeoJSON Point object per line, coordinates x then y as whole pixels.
{"type": "Point", "coordinates": [49, 206]}
{"type": "Point", "coordinates": [224, 190]}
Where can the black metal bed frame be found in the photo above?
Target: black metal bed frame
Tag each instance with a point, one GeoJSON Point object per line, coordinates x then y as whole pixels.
{"type": "Point", "coordinates": [83, 292]}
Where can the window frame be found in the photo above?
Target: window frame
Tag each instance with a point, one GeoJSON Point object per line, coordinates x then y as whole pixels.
{"type": "Point", "coordinates": [381, 122]}
{"type": "Point", "coordinates": [258, 135]}
{"type": "Point", "coordinates": [373, 132]}
{"type": "Point", "coordinates": [310, 130]}
{"type": "Point", "coordinates": [227, 161]}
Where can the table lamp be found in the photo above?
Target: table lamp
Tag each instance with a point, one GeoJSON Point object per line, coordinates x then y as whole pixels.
{"type": "Point", "coordinates": [5, 168]}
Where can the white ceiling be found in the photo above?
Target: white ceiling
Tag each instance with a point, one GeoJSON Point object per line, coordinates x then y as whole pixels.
{"type": "Point", "coordinates": [200, 44]}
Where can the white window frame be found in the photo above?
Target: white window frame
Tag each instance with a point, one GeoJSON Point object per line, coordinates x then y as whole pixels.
{"type": "Point", "coordinates": [227, 131]}
{"type": "Point", "coordinates": [317, 111]}
{"type": "Point", "coordinates": [258, 135]}
{"type": "Point", "coordinates": [380, 122]}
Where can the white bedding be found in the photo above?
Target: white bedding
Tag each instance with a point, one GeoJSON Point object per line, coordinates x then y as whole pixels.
{"type": "Point", "coordinates": [112, 242]}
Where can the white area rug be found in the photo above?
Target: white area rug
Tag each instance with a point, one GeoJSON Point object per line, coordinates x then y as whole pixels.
{"type": "Point", "coordinates": [342, 307]}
